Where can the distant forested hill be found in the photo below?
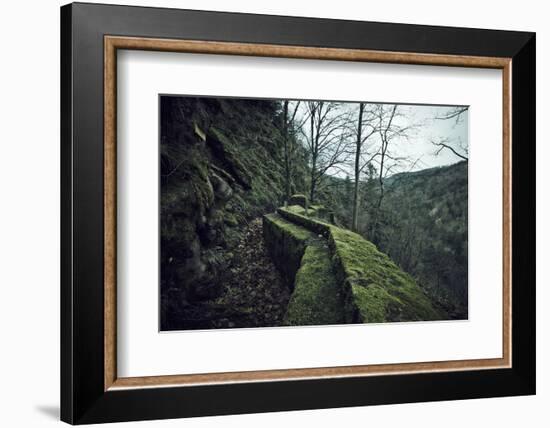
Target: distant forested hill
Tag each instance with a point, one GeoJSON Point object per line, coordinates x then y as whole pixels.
{"type": "Point", "coordinates": [422, 224]}
{"type": "Point", "coordinates": [428, 214]}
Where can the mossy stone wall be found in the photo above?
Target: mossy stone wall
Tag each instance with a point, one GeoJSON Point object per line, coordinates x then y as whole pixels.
{"type": "Point", "coordinates": [286, 244]}
{"type": "Point", "coordinates": [316, 226]}
{"type": "Point", "coordinates": [298, 199]}
{"type": "Point", "coordinates": [373, 287]}
{"type": "Point", "coordinates": [317, 297]}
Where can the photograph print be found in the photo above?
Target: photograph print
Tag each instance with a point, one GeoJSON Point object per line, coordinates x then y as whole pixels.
{"type": "Point", "coordinates": [284, 212]}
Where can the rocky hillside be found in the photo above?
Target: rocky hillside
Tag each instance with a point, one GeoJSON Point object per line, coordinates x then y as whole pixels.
{"type": "Point", "coordinates": [221, 167]}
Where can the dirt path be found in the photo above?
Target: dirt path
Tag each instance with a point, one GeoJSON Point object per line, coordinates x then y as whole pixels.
{"type": "Point", "coordinates": [254, 288]}
{"type": "Point", "coordinates": [253, 295]}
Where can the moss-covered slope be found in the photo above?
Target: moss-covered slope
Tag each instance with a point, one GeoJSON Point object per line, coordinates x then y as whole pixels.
{"type": "Point", "coordinates": [378, 291]}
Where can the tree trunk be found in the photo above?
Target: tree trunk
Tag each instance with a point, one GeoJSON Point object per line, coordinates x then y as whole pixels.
{"type": "Point", "coordinates": [384, 148]}
{"type": "Point", "coordinates": [286, 145]}
{"type": "Point", "coordinates": [355, 213]}
{"type": "Point", "coordinates": [314, 140]}
{"type": "Point", "coordinates": [312, 186]}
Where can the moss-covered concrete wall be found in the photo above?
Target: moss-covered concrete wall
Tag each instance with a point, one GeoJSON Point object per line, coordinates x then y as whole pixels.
{"type": "Point", "coordinates": [286, 243]}
{"type": "Point", "coordinates": [294, 215]}
{"type": "Point", "coordinates": [376, 289]}
{"type": "Point", "coordinates": [372, 288]}
{"type": "Point", "coordinates": [317, 297]}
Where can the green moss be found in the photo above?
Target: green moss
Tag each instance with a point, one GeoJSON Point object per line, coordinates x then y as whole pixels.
{"type": "Point", "coordinates": [375, 289]}
{"type": "Point", "coordinates": [286, 243]}
{"type": "Point", "coordinates": [188, 192]}
{"type": "Point", "coordinates": [316, 211]}
{"type": "Point", "coordinates": [230, 219]}
{"type": "Point", "coordinates": [372, 302]}
{"type": "Point", "coordinates": [379, 289]}
{"type": "Point", "coordinates": [296, 231]}
{"type": "Point", "coordinates": [298, 199]}
{"type": "Point", "coordinates": [317, 297]}
{"type": "Point", "coordinates": [226, 151]}
{"type": "Point", "coordinates": [297, 209]}
{"type": "Point", "coordinates": [315, 225]}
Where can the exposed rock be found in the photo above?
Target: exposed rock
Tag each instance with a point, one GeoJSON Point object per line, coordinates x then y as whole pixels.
{"type": "Point", "coordinates": [222, 173]}
{"type": "Point", "coordinates": [220, 169]}
{"type": "Point", "coordinates": [221, 149]}
{"type": "Point", "coordinates": [200, 133]}
{"type": "Point", "coordinates": [222, 190]}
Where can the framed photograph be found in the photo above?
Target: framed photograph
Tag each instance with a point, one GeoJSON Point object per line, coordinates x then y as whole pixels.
{"type": "Point", "coordinates": [266, 213]}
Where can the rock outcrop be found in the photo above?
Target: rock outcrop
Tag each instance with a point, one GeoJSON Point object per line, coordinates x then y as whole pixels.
{"type": "Point", "coordinates": [220, 169]}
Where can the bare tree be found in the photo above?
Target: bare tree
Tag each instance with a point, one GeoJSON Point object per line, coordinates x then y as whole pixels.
{"type": "Point", "coordinates": [456, 147]}
{"type": "Point", "coordinates": [453, 113]}
{"type": "Point", "coordinates": [365, 129]}
{"type": "Point", "coordinates": [389, 129]}
{"type": "Point", "coordinates": [459, 149]}
{"type": "Point", "coordinates": [289, 128]}
{"type": "Point", "coordinates": [326, 136]}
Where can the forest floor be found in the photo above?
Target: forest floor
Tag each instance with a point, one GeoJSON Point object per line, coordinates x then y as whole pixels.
{"type": "Point", "coordinates": [254, 289]}
{"type": "Point", "coordinates": [253, 294]}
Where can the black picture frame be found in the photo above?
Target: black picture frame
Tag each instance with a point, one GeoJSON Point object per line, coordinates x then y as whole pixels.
{"type": "Point", "coordinates": [83, 398]}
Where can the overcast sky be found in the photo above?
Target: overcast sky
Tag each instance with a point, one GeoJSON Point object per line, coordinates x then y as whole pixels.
{"type": "Point", "coordinates": [418, 145]}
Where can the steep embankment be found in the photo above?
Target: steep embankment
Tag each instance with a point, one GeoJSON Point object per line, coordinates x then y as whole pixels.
{"type": "Point", "coordinates": [341, 278]}
{"type": "Point", "coordinates": [221, 167]}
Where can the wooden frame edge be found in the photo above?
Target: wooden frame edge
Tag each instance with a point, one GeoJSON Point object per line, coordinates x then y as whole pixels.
{"type": "Point", "coordinates": [112, 43]}
{"type": "Point", "coordinates": [109, 199]}
{"type": "Point", "coordinates": [301, 52]}
{"type": "Point", "coordinates": [507, 213]}
{"type": "Point", "coordinates": [300, 374]}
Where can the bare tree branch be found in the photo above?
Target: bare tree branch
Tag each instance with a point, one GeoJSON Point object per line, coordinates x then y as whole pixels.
{"type": "Point", "coordinates": [444, 144]}
{"type": "Point", "coordinates": [326, 139]}
{"type": "Point", "coordinates": [453, 113]}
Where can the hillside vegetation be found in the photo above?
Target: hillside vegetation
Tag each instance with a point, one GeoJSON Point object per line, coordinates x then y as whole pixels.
{"type": "Point", "coordinates": [426, 231]}
{"type": "Point", "coordinates": [423, 226]}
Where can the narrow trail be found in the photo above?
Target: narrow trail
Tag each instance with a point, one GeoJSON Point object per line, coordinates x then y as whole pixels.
{"type": "Point", "coordinates": [253, 292]}
{"type": "Point", "coordinates": [254, 287]}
